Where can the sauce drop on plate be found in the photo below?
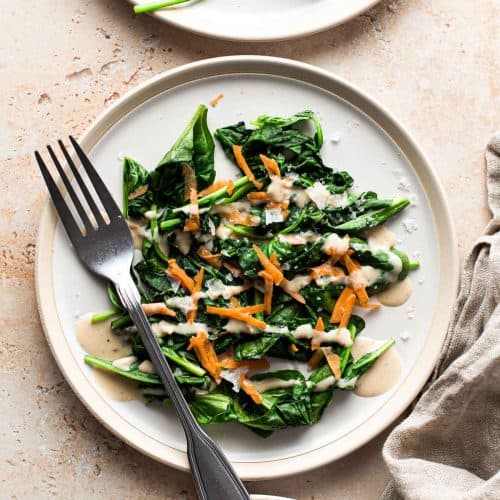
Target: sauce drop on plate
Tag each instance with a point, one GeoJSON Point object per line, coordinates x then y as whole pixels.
{"type": "Point", "coordinates": [384, 373]}
{"type": "Point", "coordinates": [99, 340]}
{"type": "Point", "coordinates": [397, 294]}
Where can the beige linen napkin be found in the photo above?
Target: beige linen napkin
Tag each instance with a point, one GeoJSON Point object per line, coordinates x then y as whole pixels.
{"type": "Point", "coordinates": [449, 446]}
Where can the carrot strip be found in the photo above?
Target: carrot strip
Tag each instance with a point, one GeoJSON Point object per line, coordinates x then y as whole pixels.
{"type": "Point", "coordinates": [234, 269]}
{"type": "Point", "coordinates": [338, 310]}
{"type": "Point", "coordinates": [285, 285]}
{"type": "Point", "coordinates": [189, 180]}
{"type": "Point", "coordinates": [257, 308]}
{"type": "Point", "coordinates": [238, 315]}
{"type": "Point", "coordinates": [212, 188]}
{"type": "Point", "coordinates": [176, 272]}
{"type": "Point", "coordinates": [352, 266]}
{"type": "Point", "coordinates": [293, 348]}
{"type": "Point", "coordinates": [346, 315]}
{"type": "Point", "coordinates": [320, 327]}
{"type": "Point", "coordinates": [252, 364]}
{"type": "Point", "coordinates": [370, 305]}
{"type": "Point", "coordinates": [236, 217]}
{"type": "Point", "coordinates": [333, 361]}
{"type": "Point", "coordinates": [315, 359]}
{"type": "Point", "coordinates": [242, 163]}
{"type": "Point", "coordinates": [193, 223]}
{"type": "Point", "coordinates": [198, 281]}
{"type": "Point", "coordinates": [216, 100]}
{"type": "Point", "coordinates": [275, 262]}
{"type": "Point", "coordinates": [214, 259]}
{"type": "Point", "coordinates": [157, 308]}
{"type": "Point", "coordinates": [268, 266]}
{"type": "Point", "coordinates": [138, 192]}
{"type": "Point", "coordinates": [206, 355]}
{"type": "Point", "coordinates": [250, 389]}
{"type": "Point", "coordinates": [230, 187]}
{"type": "Point", "coordinates": [268, 290]}
{"type": "Point", "coordinates": [271, 166]}
{"type": "Point", "coordinates": [259, 197]}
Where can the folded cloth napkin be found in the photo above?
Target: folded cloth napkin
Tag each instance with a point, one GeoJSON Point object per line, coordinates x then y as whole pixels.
{"type": "Point", "coordinates": [449, 446]}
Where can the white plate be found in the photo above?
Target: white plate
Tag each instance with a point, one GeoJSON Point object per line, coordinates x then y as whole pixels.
{"type": "Point", "coordinates": [372, 146]}
{"type": "Point", "coordinates": [260, 20]}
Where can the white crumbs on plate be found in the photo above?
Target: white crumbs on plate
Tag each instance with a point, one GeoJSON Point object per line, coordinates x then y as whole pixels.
{"type": "Point", "coordinates": [410, 312]}
{"type": "Point", "coordinates": [410, 225]}
{"type": "Point", "coordinates": [404, 336]}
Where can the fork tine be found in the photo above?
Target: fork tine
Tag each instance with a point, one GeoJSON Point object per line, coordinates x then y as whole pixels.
{"type": "Point", "coordinates": [83, 187]}
{"type": "Point", "coordinates": [76, 201]}
{"type": "Point", "coordinates": [65, 215]}
{"type": "Point", "coordinates": [106, 199]}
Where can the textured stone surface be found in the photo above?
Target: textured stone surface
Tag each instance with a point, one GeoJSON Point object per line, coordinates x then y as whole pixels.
{"type": "Point", "coordinates": [430, 62]}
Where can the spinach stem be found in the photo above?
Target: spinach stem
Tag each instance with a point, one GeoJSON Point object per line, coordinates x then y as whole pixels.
{"type": "Point", "coordinates": [104, 315]}
{"type": "Point", "coordinates": [150, 7]}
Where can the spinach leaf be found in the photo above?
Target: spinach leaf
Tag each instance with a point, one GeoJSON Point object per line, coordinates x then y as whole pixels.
{"type": "Point", "coordinates": [135, 176]}
{"type": "Point", "coordinates": [195, 148]}
{"type": "Point", "coordinates": [213, 408]}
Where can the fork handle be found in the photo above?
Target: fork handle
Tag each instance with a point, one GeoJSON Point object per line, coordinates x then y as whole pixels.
{"type": "Point", "coordinates": [214, 477]}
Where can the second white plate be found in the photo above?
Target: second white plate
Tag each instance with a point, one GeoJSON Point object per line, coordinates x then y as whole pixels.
{"type": "Point", "coordinates": [260, 20]}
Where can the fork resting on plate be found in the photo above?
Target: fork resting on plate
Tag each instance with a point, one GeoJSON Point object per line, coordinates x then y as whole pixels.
{"type": "Point", "coordinates": [103, 242]}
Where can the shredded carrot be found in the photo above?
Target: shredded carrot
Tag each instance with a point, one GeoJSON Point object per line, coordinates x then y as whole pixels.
{"type": "Point", "coordinates": [320, 327]}
{"type": "Point", "coordinates": [242, 163]}
{"type": "Point", "coordinates": [326, 269]}
{"type": "Point", "coordinates": [213, 187]}
{"type": "Point", "coordinates": [216, 100]}
{"type": "Point", "coordinates": [253, 364]}
{"type": "Point", "coordinates": [352, 266]}
{"type": "Point", "coordinates": [234, 314]}
{"type": "Point", "coordinates": [230, 187]}
{"type": "Point", "coordinates": [250, 389]}
{"type": "Point", "coordinates": [333, 361]}
{"type": "Point", "coordinates": [275, 262]}
{"type": "Point", "coordinates": [157, 308]}
{"type": "Point", "coordinates": [193, 223]}
{"type": "Point", "coordinates": [339, 308]}
{"type": "Point", "coordinates": [271, 166]}
{"type": "Point", "coordinates": [346, 315]}
{"type": "Point", "coordinates": [236, 217]}
{"type": "Point", "coordinates": [256, 308]}
{"type": "Point", "coordinates": [268, 290]}
{"type": "Point", "coordinates": [259, 197]}
{"type": "Point", "coordinates": [293, 348]}
{"type": "Point", "coordinates": [234, 269]}
{"type": "Point", "coordinates": [198, 281]}
{"type": "Point", "coordinates": [189, 180]}
{"type": "Point", "coordinates": [138, 192]}
{"type": "Point", "coordinates": [234, 302]}
{"type": "Point", "coordinates": [176, 272]}
{"type": "Point", "coordinates": [315, 359]}
{"type": "Point", "coordinates": [214, 259]}
{"type": "Point", "coordinates": [206, 355]}
{"type": "Point", "coordinates": [285, 285]}
{"type": "Point", "coordinates": [268, 266]}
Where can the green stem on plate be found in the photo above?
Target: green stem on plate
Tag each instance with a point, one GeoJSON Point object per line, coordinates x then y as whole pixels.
{"type": "Point", "coordinates": [150, 7]}
{"type": "Point", "coordinates": [104, 315]}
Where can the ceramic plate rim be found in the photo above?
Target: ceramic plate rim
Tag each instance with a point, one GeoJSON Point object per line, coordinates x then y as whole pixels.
{"type": "Point", "coordinates": [448, 278]}
{"type": "Point", "coordinates": [323, 26]}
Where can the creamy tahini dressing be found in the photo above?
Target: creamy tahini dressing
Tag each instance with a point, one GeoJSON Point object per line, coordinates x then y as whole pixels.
{"type": "Point", "coordinates": [380, 238]}
{"type": "Point", "coordinates": [116, 387]}
{"type": "Point", "coordinates": [397, 294]}
{"type": "Point", "coordinates": [99, 340]}
{"type": "Point", "coordinates": [273, 383]}
{"type": "Point", "coordinates": [384, 373]}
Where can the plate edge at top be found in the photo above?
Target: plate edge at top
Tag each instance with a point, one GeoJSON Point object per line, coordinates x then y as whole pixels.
{"type": "Point", "coordinates": [162, 16]}
{"type": "Point", "coordinates": [448, 254]}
